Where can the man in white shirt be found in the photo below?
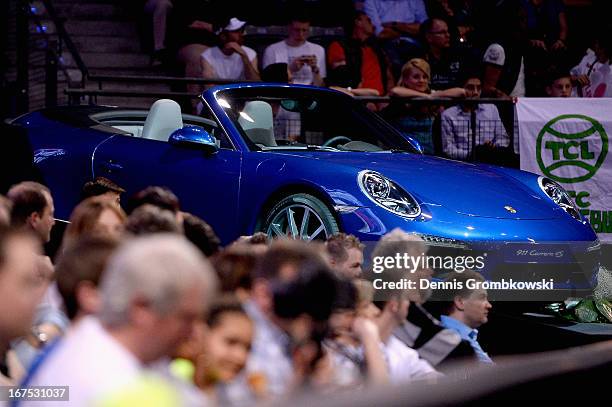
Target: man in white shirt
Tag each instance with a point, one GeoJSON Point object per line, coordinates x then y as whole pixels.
{"type": "Point", "coordinates": [230, 60]}
{"type": "Point", "coordinates": [421, 331]}
{"type": "Point", "coordinates": [404, 363]}
{"type": "Point", "coordinates": [306, 60]}
{"type": "Point", "coordinates": [461, 123]}
{"type": "Point", "coordinates": [152, 291]}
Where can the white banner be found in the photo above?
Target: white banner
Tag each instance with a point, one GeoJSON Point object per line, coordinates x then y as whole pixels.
{"type": "Point", "coordinates": [567, 140]}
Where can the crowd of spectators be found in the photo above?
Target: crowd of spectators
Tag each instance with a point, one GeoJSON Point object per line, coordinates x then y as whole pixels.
{"type": "Point", "coordinates": [513, 47]}
{"type": "Point", "coordinates": [150, 308]}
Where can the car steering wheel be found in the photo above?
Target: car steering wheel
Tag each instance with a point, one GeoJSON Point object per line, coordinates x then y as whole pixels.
{"type": "Point", "coordinates": [336, 140]}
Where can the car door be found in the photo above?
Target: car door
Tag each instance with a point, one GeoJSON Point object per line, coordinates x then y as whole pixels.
{"type": "Point", "coordinates": [207, 185]}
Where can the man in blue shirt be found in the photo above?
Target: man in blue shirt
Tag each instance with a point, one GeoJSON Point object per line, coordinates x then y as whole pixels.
{"type": "Point", "coordinates": [396, 24]}
{"type": "Point", "coordinates": [467, 309]}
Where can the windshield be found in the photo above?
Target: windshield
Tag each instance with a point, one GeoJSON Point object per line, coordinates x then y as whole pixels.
{"type": "Point", "coordinates": [285, 118]}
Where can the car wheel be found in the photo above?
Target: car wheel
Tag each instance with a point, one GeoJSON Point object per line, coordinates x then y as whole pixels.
{"type": "Point", "coordinates": [300, 216]}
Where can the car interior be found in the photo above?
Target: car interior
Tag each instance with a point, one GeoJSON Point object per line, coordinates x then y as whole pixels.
{"type": "Point", "coordinates": [257, 122]}
{"type": "Point", "coordinates": [303, 123]}
{"type": "Point", "coordinates": [158, 123]}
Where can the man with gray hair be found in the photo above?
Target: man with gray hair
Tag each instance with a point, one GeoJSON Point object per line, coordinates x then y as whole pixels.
{"type": "Point", "coordinates": [152, 291]}
{"type": "Point", "coordinates": [403, 248]}
{"type": "Point", "coordinates": [421, 331]}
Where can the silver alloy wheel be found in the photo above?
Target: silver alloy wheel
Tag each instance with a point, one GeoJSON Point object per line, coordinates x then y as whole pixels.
{"type": "Point", "coordinates": [298, 222]}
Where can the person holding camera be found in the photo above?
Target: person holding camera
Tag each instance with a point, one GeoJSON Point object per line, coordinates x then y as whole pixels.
{"type": "Point", "coordinates": [306, 60]}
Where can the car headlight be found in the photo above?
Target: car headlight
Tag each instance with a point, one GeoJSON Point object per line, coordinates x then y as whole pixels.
{"type": "Point", "coordinates": [559, 196]}
{"type": "Point", "coordinates": [388, 194]}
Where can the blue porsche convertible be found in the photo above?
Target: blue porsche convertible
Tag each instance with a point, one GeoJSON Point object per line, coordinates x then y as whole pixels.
{"type": "Point", "coordinates": [308, 162]}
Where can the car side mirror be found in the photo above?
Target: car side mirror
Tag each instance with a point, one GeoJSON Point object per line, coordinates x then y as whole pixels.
{"type": "Point", "coordinates": [414, 143]}
{"type": "Point", "coordinates": [194, 137]}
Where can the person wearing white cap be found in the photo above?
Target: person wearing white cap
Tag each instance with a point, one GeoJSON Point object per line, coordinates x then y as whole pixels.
{"type": "Point", "coordinates": [231, 59]}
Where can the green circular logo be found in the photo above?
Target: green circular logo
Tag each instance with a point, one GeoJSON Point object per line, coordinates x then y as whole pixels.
{"type": "Point", "coordinates": [571, 148]}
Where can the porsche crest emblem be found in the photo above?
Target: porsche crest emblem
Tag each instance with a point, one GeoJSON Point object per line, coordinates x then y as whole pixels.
{"type": "Point", "coordinates": [510, 209]}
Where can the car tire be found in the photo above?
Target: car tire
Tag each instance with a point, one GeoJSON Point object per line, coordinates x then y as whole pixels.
{"type": "Point", "coordinates": [312, 219]}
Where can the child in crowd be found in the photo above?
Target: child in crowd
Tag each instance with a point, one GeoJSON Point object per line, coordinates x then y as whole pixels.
{"type": "Point", "coordinates": [558, 84]}
{"type": "Point", "coordinates": [216, 354]}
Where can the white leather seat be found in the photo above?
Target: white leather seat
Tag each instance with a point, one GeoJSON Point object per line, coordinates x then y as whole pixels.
{"type": "Point", "coordinates": [163, 119]}
{"type": "Point", "coordinates": [257, 122]}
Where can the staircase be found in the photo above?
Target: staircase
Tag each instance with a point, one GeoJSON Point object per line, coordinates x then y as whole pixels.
{"type": "Point", "coordinates": [105, 33]}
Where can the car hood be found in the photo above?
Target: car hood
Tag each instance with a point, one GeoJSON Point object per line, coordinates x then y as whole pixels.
{"type": "Point", "coordinates": [465, 188]}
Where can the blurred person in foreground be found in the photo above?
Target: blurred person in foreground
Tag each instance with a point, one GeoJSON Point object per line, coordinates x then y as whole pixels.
{"type": "Point", "coordinates": [21, 290]}
{"type": "Point", "coordinates": [404, 363]}
{"type": "Point", "coordinates": [345, 255]}
{"type": "Point", "coordinates": [353, 343]}
{"type": "Point", "coordinates": [95, 216]}
{"type": "Point", "coordinates": [161, 197]}
{"type": "Point", "coordinates": [78, 273]}
{"type": "Point", "coordinates": [33, 211]}
{"type": "Point", "coordinates": [467, 309]}
{"type": "Point", "coordinates": [291, 300]}
{"type": "Point", "coordinates": [235, 267]}
{"type": "Point", "coordinates": [364, 306]}
{"type": "Point", "coordinates": [5, 211]}
{"type": "Point", "coordinates": [102, 186]}
{"type": "Point", "coordinates": [201, 234]}
{"type": "Point", "coordinates": [420, 331]}
{"type": "Point", "coordinates": [152, 291]}
{"type": "Point", "coordinates": [259, 242]}
{"type": "Point", "coordinates": [148, 219]}
{"type": "Point", "coordinates": [216, 355]}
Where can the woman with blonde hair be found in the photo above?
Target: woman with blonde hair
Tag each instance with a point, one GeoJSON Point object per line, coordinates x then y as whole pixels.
{"type": "Point", "coordinates": [414, 82]}
{"type": "Point", "coordinates": [95, 216]}
{"type": "Point", "coordinates": [416, 120]}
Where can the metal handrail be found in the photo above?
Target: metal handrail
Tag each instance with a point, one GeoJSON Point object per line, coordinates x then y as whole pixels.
{"type": "Point", "coordinates": [66, 39]}
{"type": "Point", "coordinates": [365, 99]}
{"type": "Point", "coordinates": [94, 93]}
{"type": "Point", "coordinates": [168, 80]}
{"type": "Point", "coordinates": [436, 101]}
{"type": "Point", "coordinates": [53, 52]}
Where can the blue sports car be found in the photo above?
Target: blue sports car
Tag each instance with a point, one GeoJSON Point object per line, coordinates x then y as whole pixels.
{"type": "Point", "coordinates": [308, 162]}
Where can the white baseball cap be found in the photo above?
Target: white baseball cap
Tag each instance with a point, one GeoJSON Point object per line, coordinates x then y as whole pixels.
{"type": "Point", "coordinates": [234, 25]}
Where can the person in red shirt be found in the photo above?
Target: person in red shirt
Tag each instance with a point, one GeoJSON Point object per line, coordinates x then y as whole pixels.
{"type": "Point", "coordinates": [364, 61]}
